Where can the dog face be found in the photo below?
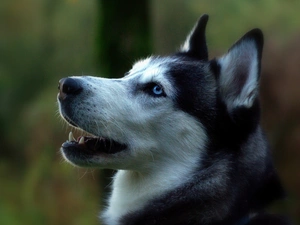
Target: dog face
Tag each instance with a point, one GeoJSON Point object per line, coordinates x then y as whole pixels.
{"type": "Point", "coordinates": [134, 119]}
{"type": "Point", "coordinates": [165, 109]}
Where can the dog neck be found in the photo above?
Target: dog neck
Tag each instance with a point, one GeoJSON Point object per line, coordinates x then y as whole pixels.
{"type": "Point", "coordinates": [133, 190]}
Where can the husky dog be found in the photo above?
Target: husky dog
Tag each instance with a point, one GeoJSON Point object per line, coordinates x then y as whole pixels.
{"type": "Point", "coordinates": [183, 133]}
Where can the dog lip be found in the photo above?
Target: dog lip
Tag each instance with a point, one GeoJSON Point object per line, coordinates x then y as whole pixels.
{"type": "Point", "coordinates": [87, 145]}
{"type": "Point", "coordinates": [69, 120]}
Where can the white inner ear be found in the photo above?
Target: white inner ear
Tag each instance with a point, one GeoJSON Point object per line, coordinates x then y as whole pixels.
{"type": "Point", "coordinates": [239, 75]}
{"type": "Point", "coordinates": [186, 45]}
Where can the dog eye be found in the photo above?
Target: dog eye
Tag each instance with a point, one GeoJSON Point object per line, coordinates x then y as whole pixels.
{"type": "Point", "coordinates": [155, 90]}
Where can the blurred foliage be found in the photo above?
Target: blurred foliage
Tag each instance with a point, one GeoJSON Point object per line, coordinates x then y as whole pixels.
{"type": "Point", "coordinates": [42, 41]}
{"type": "Point", "coordinates": [173, 19]}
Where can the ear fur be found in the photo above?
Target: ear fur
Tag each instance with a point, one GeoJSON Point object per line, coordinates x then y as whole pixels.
{"type": "Point", "coordinates": [240, 71]}
{"type": "Point", "coordinates": [195, 44]}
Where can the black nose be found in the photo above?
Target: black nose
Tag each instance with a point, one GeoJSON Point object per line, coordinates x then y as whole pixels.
{"type": "Point", "coordinates": [68, 86]}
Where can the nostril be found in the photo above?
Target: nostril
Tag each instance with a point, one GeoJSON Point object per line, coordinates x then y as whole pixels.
{"type": "Point", "coordinates": [69, 86]}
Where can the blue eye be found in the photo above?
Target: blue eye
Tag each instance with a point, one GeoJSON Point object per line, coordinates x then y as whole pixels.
{"type": "Point", "coordinates": [157, 90]}
{"type": "Point", "coordinates": [154, 90]}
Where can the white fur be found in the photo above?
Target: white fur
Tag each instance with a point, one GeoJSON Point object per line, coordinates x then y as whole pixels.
{"type": "Point", "coordinates": [150, 70]}
{"type": "Point", "coordinates": [164, 143]}
{"type": "Point", "coordinates": [185, 47]}
{"type": "Point", "coordinates": [178, 159]}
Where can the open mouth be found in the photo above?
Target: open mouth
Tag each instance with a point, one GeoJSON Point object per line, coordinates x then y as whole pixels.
{"type": "Point", "coordinates": [89, 145]}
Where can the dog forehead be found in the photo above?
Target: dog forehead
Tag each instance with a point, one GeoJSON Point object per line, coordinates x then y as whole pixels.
{"type": "Point", "coordinates": [151, 69]}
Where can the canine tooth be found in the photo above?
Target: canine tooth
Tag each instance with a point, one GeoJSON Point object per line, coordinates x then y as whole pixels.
{"type": "Point", "coordinates": [71, 137]}
{"type": "Point", "coordinates": [81, 141]}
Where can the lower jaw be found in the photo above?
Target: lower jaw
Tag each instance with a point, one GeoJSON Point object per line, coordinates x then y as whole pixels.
{"type": "Point", "coordinates": [87, 158]}
{"type": "Point", "coordinates": [90, 151]}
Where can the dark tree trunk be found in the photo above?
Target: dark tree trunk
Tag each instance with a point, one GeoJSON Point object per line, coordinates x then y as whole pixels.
{"type": "Point", "coordinates": [124, 34]}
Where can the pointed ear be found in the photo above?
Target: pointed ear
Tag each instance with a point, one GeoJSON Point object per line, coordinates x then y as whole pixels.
{"type": "Point", "coordinates": [195, 44]}
{"type": "Point", "coordinates": [240, 70]}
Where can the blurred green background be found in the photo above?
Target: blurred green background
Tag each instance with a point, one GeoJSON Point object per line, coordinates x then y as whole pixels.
{"type": "Point", "coordinates": [42, 41]}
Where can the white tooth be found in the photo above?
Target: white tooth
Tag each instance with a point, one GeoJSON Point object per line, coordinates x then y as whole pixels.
{"type": "Point", "coordinates": [81, 141]}
{"type": "Point", "coordinates": [71, 137]}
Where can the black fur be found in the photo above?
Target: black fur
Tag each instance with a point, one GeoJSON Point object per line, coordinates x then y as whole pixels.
{"type": "Point", "coordinates": [234, 184]}
{"type": "Point", "coordinates": [235, 179]}
{"type": "Point", "coordinates": [225, 189]}
{"type": "Point", "coordinates": [197, 41]}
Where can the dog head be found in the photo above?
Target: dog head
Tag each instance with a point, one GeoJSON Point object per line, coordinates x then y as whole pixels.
{"type": "Point", "coordinates": [164, 108]}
